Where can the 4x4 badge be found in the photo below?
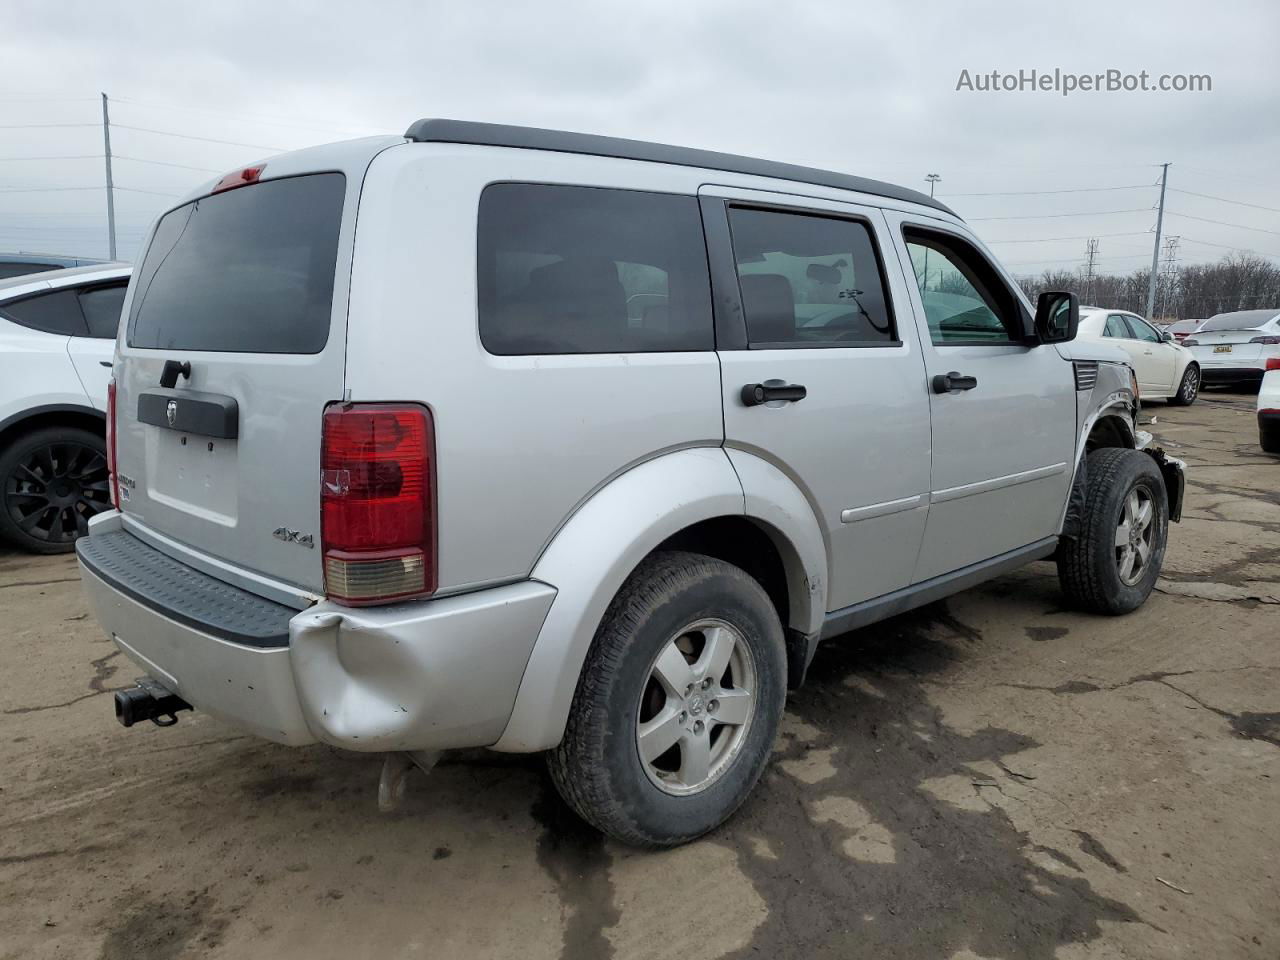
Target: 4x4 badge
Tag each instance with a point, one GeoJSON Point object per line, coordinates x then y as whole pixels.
{"type": "Point", "coordinates": [293, 536]}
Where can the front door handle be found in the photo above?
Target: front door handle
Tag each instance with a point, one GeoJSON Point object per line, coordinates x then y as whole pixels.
{"type": "Point", "coordinates": [754, 394]}
{"type": "Point", "coordinates": [953, 382]}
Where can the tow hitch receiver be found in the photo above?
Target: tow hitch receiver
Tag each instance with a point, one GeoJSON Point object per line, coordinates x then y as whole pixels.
{"type": "Point", "coordinates": [148, 701]}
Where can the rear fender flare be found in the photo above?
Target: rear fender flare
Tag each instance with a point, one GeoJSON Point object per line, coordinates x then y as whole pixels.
{"type": "Point", "coordinates": [593, 554]}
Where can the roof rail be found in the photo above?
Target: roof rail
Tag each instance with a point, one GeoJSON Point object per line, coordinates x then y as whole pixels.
{"type": "Point", "coordinates": [534, 138]}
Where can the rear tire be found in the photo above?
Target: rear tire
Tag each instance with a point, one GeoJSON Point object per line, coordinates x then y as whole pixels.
{"type": "Point", "coordinates": [52, 480]}
{"type": "Point", "coordinates": [677, 705]}
{"type": "Point", "coordinates": [1189, 389]}
{"type": "Point", "coordinates": [1112, 565]}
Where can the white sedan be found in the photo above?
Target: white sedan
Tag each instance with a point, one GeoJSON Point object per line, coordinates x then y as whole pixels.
{"type": "Point", "coordinates": [1165, 369]}
{"type": "Point", "coordinates": [1236, 347]}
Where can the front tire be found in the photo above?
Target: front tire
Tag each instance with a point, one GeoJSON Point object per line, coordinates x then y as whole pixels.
{"type": "Point", "coordinates": [677, 705]}
{"type": "Point", "coordinates": [1112, 565]}
{"type": "Point", "coordinates": [52, 481]}
{"type": "Point", "coordinates": [1189, 389]}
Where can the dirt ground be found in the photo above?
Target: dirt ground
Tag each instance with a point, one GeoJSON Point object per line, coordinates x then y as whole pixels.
{"type": "Point", "coordinates": [993, 776]}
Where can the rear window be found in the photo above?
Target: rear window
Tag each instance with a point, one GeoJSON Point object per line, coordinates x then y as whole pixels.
{"type": "Point", "coordinates": [245, 271]}
{"type": "Point", "coordinates": [591, 270]}
{"type": "Point", "coordinates": [8, 270]}
{"type": "Point", "coordinates": [1244, 320]}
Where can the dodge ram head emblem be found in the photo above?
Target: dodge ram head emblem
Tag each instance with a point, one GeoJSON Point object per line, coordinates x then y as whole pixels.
{"type": "Point", "coordinates": [171, 413]}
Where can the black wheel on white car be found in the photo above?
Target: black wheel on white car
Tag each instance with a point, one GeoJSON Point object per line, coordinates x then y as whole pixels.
{"type": "Point", "coordinates": [1111, 566]}
{"type": "Point", "coordinates": [677, 705]}
{"type": "Point", "coordinates": [52, 481]}
{"type": "Point", "coordinates": [1189, 389]}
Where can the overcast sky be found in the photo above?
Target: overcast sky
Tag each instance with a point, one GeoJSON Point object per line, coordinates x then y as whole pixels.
{"type": "Point", "coordinates": [866, 88]}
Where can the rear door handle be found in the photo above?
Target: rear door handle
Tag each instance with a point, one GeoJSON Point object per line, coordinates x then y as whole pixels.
{"type": "Point", "coordinates": [953, 382]}
{"type": "Point", "coordinates": [754, 394]}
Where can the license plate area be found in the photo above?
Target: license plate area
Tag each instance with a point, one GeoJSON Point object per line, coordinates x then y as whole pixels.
{"type": "Point", "coordinates": [194, 474]}
{"type": "Point", "coordinates": [1223, 348]}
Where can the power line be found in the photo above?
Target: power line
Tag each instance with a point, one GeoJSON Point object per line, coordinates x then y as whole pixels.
{"type": "Point", "coordinates": [43, 189]}
{"type": "Point", "coordinates": [1239, 203]}
{"type": "Point", "coordinates": [184, 136]}
{"type": "Point", "coordinates": [265, 118]}
{"type": "Point", "coordinates": [1223, 223]}
{"type": "Point", "coordinates": [154, 193]}
{"type": "Point", "coordinates": [1029, 193]}
{"type": "Point", "coordinates": [1224, 246]}
{"type": "Point", "coordinates": [163, 163]}
{"type": "Point", "coordinates": [1048, 216]}
{"type": "Point", "coordinates": [78, 156]}
{"type": "Point", "coordinates": [42, 126]}
{"type": "Point", "coordinates": [1100, 236]}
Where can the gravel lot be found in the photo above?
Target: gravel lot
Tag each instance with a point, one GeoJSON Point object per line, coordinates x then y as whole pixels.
{"type": "Point", "coordinates": [992, 776]}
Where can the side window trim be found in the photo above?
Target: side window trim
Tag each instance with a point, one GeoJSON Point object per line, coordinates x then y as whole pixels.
{"type": "Point", "coordinates": [730, 317]}
{"type": "Point", "coordinates": [941, 228]}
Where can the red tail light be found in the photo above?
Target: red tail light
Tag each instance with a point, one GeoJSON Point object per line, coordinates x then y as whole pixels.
{"type": "Point", "coordinates": [111, 443]}
{"type": "Point", "coordinates": [378, 502]}
{"type": "Point", "coordinates": [1268, 340]}
{"type": "Point", "coordinates": [1273, 363]}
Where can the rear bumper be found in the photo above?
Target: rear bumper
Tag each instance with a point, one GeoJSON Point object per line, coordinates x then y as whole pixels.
{"type": "Point", "coordinates": [1215, 374]}
{"type": "Point", "coordinates": [433, 674]}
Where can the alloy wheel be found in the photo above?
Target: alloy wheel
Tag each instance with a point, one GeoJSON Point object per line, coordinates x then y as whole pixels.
{"type": "Point", "coordinates": [55, 489]}
{"type": "Point", "coordinates": [1134, 536]}
{"type": "Point", "coordinates": [696, 707]}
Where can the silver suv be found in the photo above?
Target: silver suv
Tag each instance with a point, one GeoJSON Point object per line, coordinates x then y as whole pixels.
{"type": "Point", "coordinates": [497, 437]}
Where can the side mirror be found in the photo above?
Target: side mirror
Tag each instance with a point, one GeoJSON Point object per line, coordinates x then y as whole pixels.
{"type": "Point", "coordinates": [1166, 336]}
{"type": "Point", "coordinates": [1057, 316]}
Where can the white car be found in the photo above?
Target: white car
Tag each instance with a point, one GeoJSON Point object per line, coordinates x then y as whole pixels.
{"type": "Point", "coordinates": [1166, 369]}
{"type": "Point", "coordinates": [1269, 407]}
{"type": "Point", "coordinates": [1236, 347]}
{"type": "Point", "coordinates": [57, 336]}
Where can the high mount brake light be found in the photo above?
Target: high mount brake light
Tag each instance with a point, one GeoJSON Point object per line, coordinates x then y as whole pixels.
{"type": "Point", "coordinates": [378, 503]}
{"type": "Point", "coordinates": [239, 178]}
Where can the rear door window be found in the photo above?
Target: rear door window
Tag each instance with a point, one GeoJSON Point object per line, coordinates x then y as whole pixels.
{"type": "Point", "coordinates": [101, 306]}
{"type": "Point", "coordinates": [809, 280]}
{"type": "Point", "coordinates": [55, 312]}
{"type": "Point", "coordinates": [249, 270]}
{"type": "Point", "coordinates": [566, 270]}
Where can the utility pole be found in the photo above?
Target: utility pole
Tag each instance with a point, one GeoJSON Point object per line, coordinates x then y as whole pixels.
{"type": "Point", "coordinates": [111, 200]}
{"type": "Point", "coordinates": [933, 179]}
{"type": "Point", "coordinates": [1155, 252]}
{"type": "Point", "coordinates": [1091, 261]}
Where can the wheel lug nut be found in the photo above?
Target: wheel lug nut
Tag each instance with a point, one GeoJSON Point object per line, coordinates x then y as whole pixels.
{"type": "Point", "coordinates": [683, 716]}
{"type": "Point", "coordinates": [698, 726]}
{"type": "Point", "coordinates": [706, 683]}
{"type": "Point", "coordinates": [713, 706]}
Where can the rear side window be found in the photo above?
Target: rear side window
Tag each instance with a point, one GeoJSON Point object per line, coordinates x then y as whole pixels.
{"type": "Point", "coordinates": [56, 312]}
{"type": "Point", "coordinates": [101, 306]}
{"type": "Point", "coordinates": [590, 270]}
{"type": "Point", "coordinates": [8, 270]}
{"type": "Point", "coordinates": [245, 271]}
{"type": "Point", "coordinates": [1117, 328]}
{"type": "Point", "coordinates": [809, 280]}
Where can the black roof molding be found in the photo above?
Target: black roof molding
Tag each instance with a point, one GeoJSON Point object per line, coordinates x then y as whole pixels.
{"type": "Point", "coordinates": [534, 138]}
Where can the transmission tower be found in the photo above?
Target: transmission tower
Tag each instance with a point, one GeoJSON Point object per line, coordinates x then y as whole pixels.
{"type": "Point", "coordinates": [1169, 276]}
{"type": "Point", "coordinates": [1089, 268]}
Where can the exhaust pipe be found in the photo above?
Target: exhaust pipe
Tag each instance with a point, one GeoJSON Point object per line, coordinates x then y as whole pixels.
{"type": "Point", "coordinates": [148, 701]}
